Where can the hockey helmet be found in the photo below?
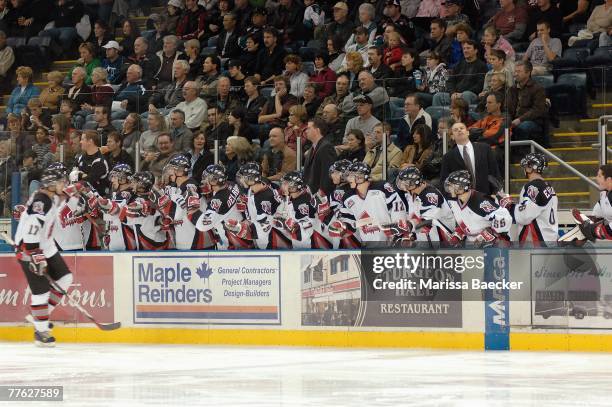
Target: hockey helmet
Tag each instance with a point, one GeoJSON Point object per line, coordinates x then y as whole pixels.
{"type": "Point", "coordinates": [249, 174]}
{"type": "Point", "coordinates": [51, 176]}
{"type": "Point", "coordinates": [536, 161]}
{"type": "Point", "coordinates": [409, 178]}
{"type": "Point", "coordinates": [59, 166]}
{"type": "Point", "coordinates": [458, 182]}
{"type": "Point", "coordinates": [340, 166]}
{"type": "Point", "coordinates": [178, 163]}
{"type": "Point", "coordinates": [122, 172]}
{"type": "Point", "coordinates": [358, 173]}
{"type": "Point", "coordinates": [292, 182]}
{"type": "Point", "coordinates": [215, 173]}
{"type": "Point", "coordinates": [143, 181]}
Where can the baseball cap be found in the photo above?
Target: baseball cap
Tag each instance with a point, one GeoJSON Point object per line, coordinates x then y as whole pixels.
{"type": "Point", "coordinates": [112, 44]}
{"type": "Point", "coordinates": [234, 63]}
{"type": "Point", "coordinates": [260, 10]}
{"type": "Point", "coordinates": [341, 5]}
{"type": "Point", "coordinates": [362, 99]}
{"type": "Point", "coordinates": [176, 3]}
{"type": "Point", "coordinates": [393, 3]}
{"type": "Point", "coordinates": [457, 2]}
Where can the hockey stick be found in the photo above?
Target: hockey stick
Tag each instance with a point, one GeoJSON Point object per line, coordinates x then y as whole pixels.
{"type": "Point", "coordinates": [105, 327]}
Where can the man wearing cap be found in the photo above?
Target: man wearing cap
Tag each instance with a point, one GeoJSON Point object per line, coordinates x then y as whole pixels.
{"type": "Point", "coordinates": [227, 44]}
{"type": "Point", "coordinates": [341, 27]}
{"type": "Point", "coordinates": [454, 15]}
{"type": "Point", "coordinates": [394, 16]}
{"type": "Point", "coordinates": [236, 78]}
{"type": "Point", "coordinates": [113, 63]}
{"type": "Point", "coordinates": [270, 59]}
{"type": "Point", "coordinates": [364, 121]}
{"type": "Point", "coordinates": [361, 45]}
{"type": "Point", "coordinates": [377, 94]}
{"type": "Point", "coordinates": [192, 23]}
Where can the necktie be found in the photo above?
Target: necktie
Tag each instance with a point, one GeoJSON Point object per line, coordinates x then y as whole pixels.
{"type": "Point", "coordinates": [468, 162]}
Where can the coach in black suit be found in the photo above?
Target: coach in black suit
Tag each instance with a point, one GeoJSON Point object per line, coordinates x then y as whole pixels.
{"type": "Point", "coordinates": [477, 158]}
{"type": "Point", "coordinates": [319, 158]}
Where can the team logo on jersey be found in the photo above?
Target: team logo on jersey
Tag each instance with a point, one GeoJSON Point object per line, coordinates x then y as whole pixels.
{"type": "Point", "coordinates": [303, 209]}
{"type": "Point", "coordinates": [338, 195]}
{"type": "Point", "coordinates": [266, 206]}
{"type": "Point", "coordinates": [487, 206]}
{"type": "Point", "coordinates": [215, 204]}
{"type": "Point", "coordinates": [432, 198]}
{"type": "Point", "coordinates": [350, 203]}
{"type": "Point", "coordinates": [38, 207]}
{"type": "Point", "coordinates": [389, 188]}
{"type": "Point", "coordinates": [532, 192]}
{"type": "Point", "coordinates": [125, 194]}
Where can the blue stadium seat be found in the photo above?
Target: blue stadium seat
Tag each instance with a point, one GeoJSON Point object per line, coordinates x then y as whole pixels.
{"type": "Point", "coordinates": [208, 51]}
{"type": "Point", "coordinates": [265, 92]}
{"type": "Point", "coordinates": [544, 80]}
{"type": "Point", "coordinates": [436, 112]}
{"type": "Point", "coordinates": [40, 41]}
{"type": "Point", "coordinates": [307, 53]}
{"type": "Point", "coordinates": [579, 81]}
{"type": "Point", "coordinates": [212, 41]}
{"type": "Point", "coordinates": [572, 58]}
{"type": "Point", "coordinates": [308, 67]}
{"type": "Point", "coordinates": [15, 42]}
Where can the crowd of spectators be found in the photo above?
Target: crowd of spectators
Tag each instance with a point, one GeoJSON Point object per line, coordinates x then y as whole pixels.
{"type": "Point", "coordinates": [293, 81]}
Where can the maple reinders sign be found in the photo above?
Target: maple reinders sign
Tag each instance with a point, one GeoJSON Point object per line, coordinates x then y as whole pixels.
{"type": "Point", "coordinates": [206, 289]}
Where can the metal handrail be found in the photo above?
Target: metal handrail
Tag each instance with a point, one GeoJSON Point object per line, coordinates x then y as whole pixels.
{"type": "Point", "coordinates": [535, 146]}
{"type": "Point", "coordinates": [602, 128]}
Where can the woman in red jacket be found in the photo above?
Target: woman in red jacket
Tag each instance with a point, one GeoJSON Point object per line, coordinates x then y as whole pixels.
{"type": "Point", "coordinates": [323, 75]}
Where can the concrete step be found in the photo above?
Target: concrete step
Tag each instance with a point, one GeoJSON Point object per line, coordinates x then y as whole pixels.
{"type": "Point", "coordinates": [575, 153]}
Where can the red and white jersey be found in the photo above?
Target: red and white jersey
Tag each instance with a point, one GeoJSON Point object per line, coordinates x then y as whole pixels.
{"type": "Point", "coordinates": [365, 215]}
{"type": "Point", "coordinates": [536, 212]}
{"type": "Point", "coordinates": [72, 228]}
{"type": "Point", "coordinates": [260, 209]}
{"type": "Point", "coordinates": [603, 208]}
{"type": "Point", "coordinates": [36, 224]}
{"type": "Point", "coordinates": [300, 213]}
{"type": "Point", "coordinates": [479, 213]}
{"type": "Point", "coordinates": [430, 204]}
{"type": "Point", "coordinates": [118, 234]}
{"type": "Point", "coordinates": [146, 225]}
{"type": "Point", "coordinates": [336, 203]}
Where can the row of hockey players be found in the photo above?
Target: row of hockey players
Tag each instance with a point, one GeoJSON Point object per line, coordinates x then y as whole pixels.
{"type": "Point", "coordinates": [142, 214]}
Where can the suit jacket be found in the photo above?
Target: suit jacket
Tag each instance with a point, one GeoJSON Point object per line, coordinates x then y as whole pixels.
{"type": "Point", "coordinates": [485, 165]}
{"type": "Point", "coordinates": [316, 166]}
{"type": "Point", "coordinates": [232, 50]}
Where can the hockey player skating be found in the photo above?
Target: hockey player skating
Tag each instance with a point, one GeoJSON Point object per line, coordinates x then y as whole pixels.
{"type": "Point", "coordinates": [38, 254]}
{"type": "Point", "coordinates": [118, 235]}
{"type": "Point", "coordinates": [296, 215]}
{"type": "Point", "coordinates": [261, 204]}
{"type": "Point", "coordinates": [428, 211]}
{"type": "Point", "coordinates": [373, 211]}
{"type": "Point", "coordinates": [177, 201]}
{"type": "Point", "coordinates": [479, 218]}
{"type": "Point", "coordinates": [221, 207]}
{"type": "Point", "coordinates": [536, 211]}
{"type": "Point", "coordinates": [600, 226]}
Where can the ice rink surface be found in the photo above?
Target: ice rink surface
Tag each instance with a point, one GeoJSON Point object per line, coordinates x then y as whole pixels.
{"type": "Point", "coordinates": [167, 375]}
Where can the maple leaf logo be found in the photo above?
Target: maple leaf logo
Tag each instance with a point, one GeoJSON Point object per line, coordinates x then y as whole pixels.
{"type": "Point", "coordinates": [204, 271]}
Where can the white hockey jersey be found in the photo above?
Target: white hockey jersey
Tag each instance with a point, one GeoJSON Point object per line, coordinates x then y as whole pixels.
{"type": "Point", "coordinates": [536, 212]}
{"type": "Point", "coordinates": [603, 208]}
{"type": "Point", "coordinates": [430, 204]}
{"type": "Point", "coordinates": [72, 227]}
{"type": "Point", "coordinates": [118, 234]}
{"type": "Point", "coordinates": [479, 213]}
{"type": "Point", "coordinates": [302, 211]}
{"type": "Point", "coordinates": [147, 226]}
{"type": "Point", "coordinates": [261, 207]}
{"type": "Point", "coordinates": [36, 225]}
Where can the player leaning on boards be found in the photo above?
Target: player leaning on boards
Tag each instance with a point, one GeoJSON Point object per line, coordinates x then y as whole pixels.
{"type": "Point", "coordinates": [536, 211]}
{"type": "Point", "coordinates": [600, 224]}
{"type": "Point", "coordinates": [480, 219]}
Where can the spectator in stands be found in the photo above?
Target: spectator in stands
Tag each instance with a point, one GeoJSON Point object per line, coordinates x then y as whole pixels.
{"type": "Point", "coordinates": [238, 151]}
{"type": "Point", "coordinates": [377, 94]}
{"type": "Point", "coordinates": [225, 101]}
{"type": "Point", "coordinates": [92, 165]}
{"type": "Point", "coordinates": [149, 64]}
{"type": "Point", "coordinates": [497, 61]}
{"type": "Point", "coordinates": [296, 126]}
{"type": "Point", "coordinates": [88, 60]}
{"type": "Point", "coordinates": [156, 160]}
{"type": "Point", "coordinates": [34, 116]}
{"type": "Point", "coordinates": [32, 170]}
{"type": "Point", "coordinates": [373, 156]}
{"type": "Point", "coordinates": [336, 53]}
{"type": "Point", "coordinates": [463, 32]}
{"type": "Point", "coordinates": [101, 92]}
{"type": "Point", "coordinates": [53, 93]}
{"type": "Point", "coordinates": [297, 78]}
{"type": "Point", "coordinates": [409, 79]}
{"type": "Point", "coordinates": [166, 98]}
{"type": "Point", "coordinates": [210, 75]}
{"type": "Point", "coordinates": [60, 127]}
{"type": "Point", "coordinates": [243, 11]}
{"type": "Point", "coordinates": [103, 125]}
{"type": "Point", "coordinates": [174, 12]}
{"type": "Point", "coordinates": [4, 12]}
{"type": "Point", "coordinates": [467, 79]}
{"type": "Point", "coordinates": [192, 52]}
{"type": "Point", "coordinates": [415, 115]}
{"type": "Point", "coordinates": [353, 147]}
{"type": "Point", "coordinates": [393, 16]}
{"type": "Point", "coordinates": [131, 94]}
{"type": "Point", "coordinates": [431, 167]}
{"type": "Point", "coordinates": [335, 125]}
{"type": "Point", "coordinates": [360, 45]}
{"type": "Point", "coordinates": [130, 133]}
{"type": "Point", "coordinates": [341, 27]}
{"type": "Point", "coordinates": [100, 36]}
{"type": "Point", "coordinates": [217, 128]}
{"type": "Point", "coordinates": [156, 125]}
{"type": "Point", "coordinates": [181, 135]}
{"type": "Point", "coordinates": [72, 149]}
{"type": "Point", "coordinates": [392, 54]}
{"type": "Point", "coordinates": [7, 59]}
{"type": "Point", "coordinates": [114, 153]}
{"type": "Point", "coordinates": [279, 159]}
{"type": "Point", "coordinates": [113, 63]}
{"type": "Point", "coordinates": [439, 42]}
{"type": "Point", "coordinates": [288, 18]}
{"type": "Point", "coordinates": [238, 126]}
{"type": "Point", "coordinates": [492, 40]}
{"type": "Point", "coordinates": [418, 153]}
{"type": "Point", "coordinates": [199, 155]}
{"type": "Point", "coordinates": [436, 76]}
{"type": "Point", "coordinates": [23, 92]}
{"type": "Point", "coordinates": [430, 8]}
{"type": "Point", "coordinates": [275, 112]}
{"type": "Point", "coordinates": [192, 24]}
{"type": "Point", "coordinates": [574, 13]}
{"type": "Point", "coordinates": [80, 95]}
{"type": "Point", "coordinates": [544, 11]}
{"type": "Point", "coordinates": [27, 19]}
{"type": "Point", "coordinates": [454, 16]}
{"type": "Point", "coordinates": [255, 102]}
{"type": "Point", "coordinates": [7, 166]}
{"type": "Point", "coordinates": [460, 112]}
{"type": "Point", "coordinates": [354, 65]}
{"type": "Point", "coordinates": [310, 100]}
{"type": "Point", "coordinates": [67, 109]}
{"type": "Point", "coordinates": [19, 140]}
{"type": "Point", "coordinates": [130, 33]}
{"type": "Point", "coordinates": [195, 108]}
{"type": "Point", "coordinates": [497, 84]}
{"type": "Point", "coordinates": [318, 158]}
{"type": "Point", "coordinates": [510, 21]}
{"type": "Point", "coordinates": [269, 59]}
{"type": "Point", "coordinates": [248, 58]}
{"type": "Point", "coordinates": [367, 14]}
{"type": "Point", "coordinates": [364, 121]}
{"type": "Point", "coordinates": [490, 129]}
{"type": "Point", "coordinates": [379, 70]}
{"type": "Point", "coordinates": [255, 30]}
{"type": "Point", "coordinates": [543, 50]}
{"type": "Point", "coordinates": [476, 158]}
{"type": "Point", "coordinates": [165, 62]}
{"type": "Point", "coordinates": [527, 106]}
{"type": "Point", "coordinates": [599, 23]}
{"type": "Point", "coordinates": [156, 37]}
{"type": "Point", "coordinates": [341, 98]}
{"type": "Point", "coordinates": [314, 17]}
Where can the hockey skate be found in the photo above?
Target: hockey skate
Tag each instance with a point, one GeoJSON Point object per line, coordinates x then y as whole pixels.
{"type": "Point", "coordinates": [44, 339]}
{"type": "Point", "coordinates": [30, 319]}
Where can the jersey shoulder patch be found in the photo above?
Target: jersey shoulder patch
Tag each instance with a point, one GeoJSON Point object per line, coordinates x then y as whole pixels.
{"type": "Point", "coordinates": [41, 204]}
{"type": "Point", "coordinates": [481, 204]}
{"type": "Point", "coordinates": [539, 191]}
